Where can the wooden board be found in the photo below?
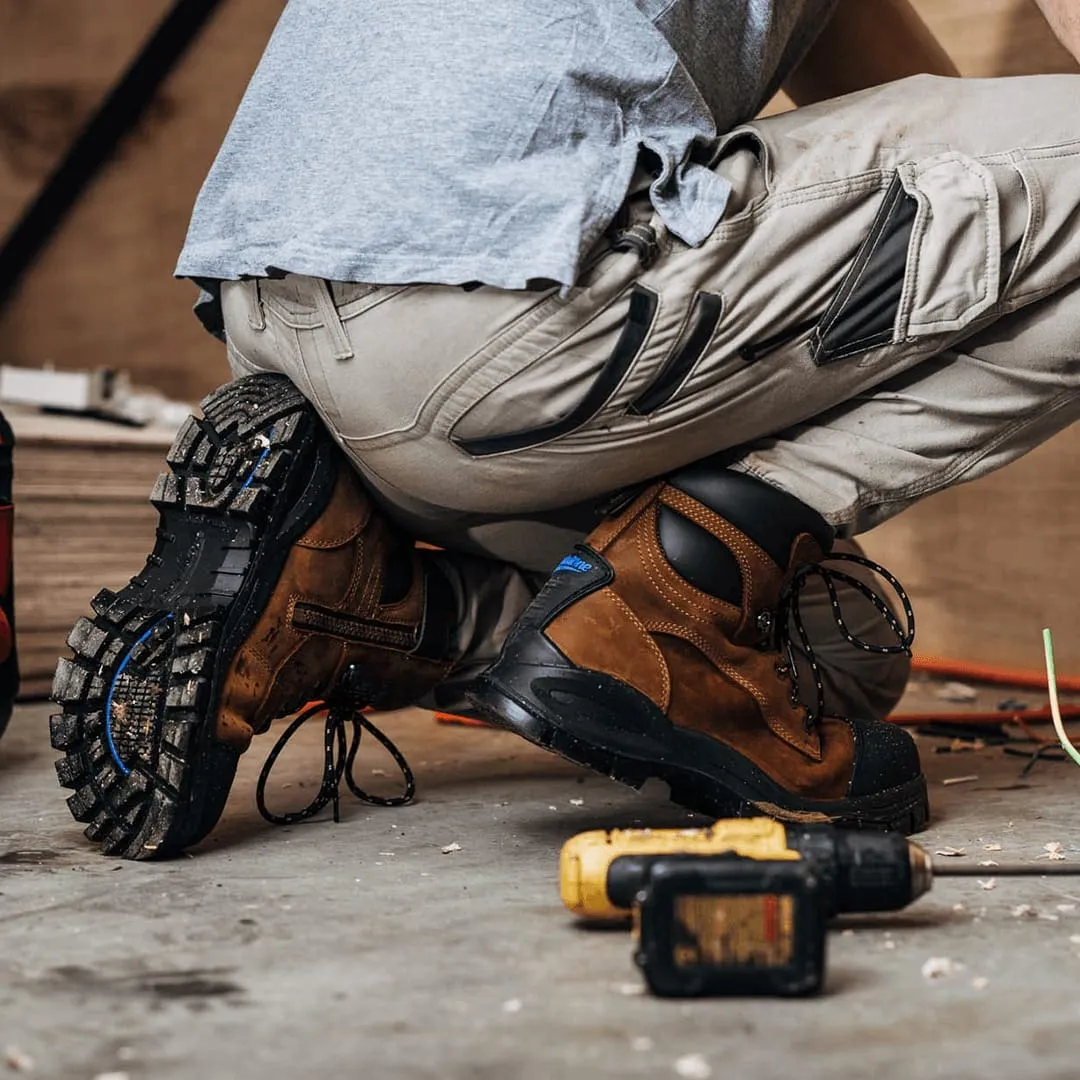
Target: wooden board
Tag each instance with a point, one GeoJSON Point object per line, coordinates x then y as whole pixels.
{"type": "Point", "coordinates": [995, 37]}
{"type": "Point", "coordinates": [103, 293]}
{"type": "Point", "coordinates": [990, 564]}
{"type": "Point", "coordinates": [82, 523]}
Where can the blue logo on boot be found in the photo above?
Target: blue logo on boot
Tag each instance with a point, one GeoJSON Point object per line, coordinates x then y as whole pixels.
{"type": "Point", "coordinates": [573, 564]}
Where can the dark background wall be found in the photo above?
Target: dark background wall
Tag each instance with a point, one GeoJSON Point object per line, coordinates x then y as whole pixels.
{"type": "Point", "coordinates": [103, 293]}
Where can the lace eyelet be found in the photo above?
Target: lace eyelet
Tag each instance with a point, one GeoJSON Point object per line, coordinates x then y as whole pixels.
{"type": "Point", "coordinates": [764, 623]}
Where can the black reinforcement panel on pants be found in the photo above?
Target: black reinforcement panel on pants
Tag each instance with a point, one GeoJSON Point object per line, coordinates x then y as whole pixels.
{"type": "Point", "coordinates": [639, 320]}
{"type": "Point", "coordinates": [863, 313]}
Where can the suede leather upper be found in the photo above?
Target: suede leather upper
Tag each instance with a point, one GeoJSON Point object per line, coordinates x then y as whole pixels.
{"type": "Point", "coordinates": [326, 612]}
{"type": "Point", "coordinates": [702, 660]}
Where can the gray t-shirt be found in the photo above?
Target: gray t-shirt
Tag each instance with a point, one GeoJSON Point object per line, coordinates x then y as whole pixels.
{"type": "Point", "coordinates": [453, 141]}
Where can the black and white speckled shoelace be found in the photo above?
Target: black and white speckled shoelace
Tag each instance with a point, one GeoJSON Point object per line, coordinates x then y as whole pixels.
{"type": "Point", "coordinates": [789, 615]}
{"type": "Point", "coordinates": [342, 710]}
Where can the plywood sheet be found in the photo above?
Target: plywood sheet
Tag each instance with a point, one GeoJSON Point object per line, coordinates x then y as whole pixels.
{"type": "Point", "coordinates": [103, 293]}
{"type": "Point", "coordinates": [995, 37]}
{"type": "Point", "coordinates": [990, 564]}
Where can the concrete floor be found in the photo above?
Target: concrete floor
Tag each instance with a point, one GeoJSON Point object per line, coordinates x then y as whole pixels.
{"type": "Point", "coordinates": [361, 949]}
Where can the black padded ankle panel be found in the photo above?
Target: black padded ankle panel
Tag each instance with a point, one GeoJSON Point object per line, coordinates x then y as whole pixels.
{"type": "Point", "coordinates": [699, 557]}
{"type": "Point", "coordinates": [770, 517]}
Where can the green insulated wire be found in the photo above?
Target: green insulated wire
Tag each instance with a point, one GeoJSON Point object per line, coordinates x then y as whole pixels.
{"type": "Point", "coordinates": [1055, 707]}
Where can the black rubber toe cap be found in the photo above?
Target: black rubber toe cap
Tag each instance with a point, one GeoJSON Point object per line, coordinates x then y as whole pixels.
{"type": "Point", "coordinates": [885, 757]}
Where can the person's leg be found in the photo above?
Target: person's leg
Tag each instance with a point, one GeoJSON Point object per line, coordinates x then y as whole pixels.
{"type": "Point", "coordinates": [874, 234]}
{"type": "Point", "coordinates": [891, 227]}
{"type": "Point", "coordinates": [493, 590]}
{"type": "Point", "coordinates": [273, 574]}
{"type": "Point", "coordinates": [959, 243]}
{"type": "Point", "coordinates": [955, 418]}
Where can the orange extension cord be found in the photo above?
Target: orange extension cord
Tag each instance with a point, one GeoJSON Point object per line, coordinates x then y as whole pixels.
{"type": "Point", "coordinates": [946, 668]}
{"type": "Point", "coordinates": [970, 671]}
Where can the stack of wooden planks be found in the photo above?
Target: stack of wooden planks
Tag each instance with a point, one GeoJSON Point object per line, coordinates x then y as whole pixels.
{"type": "Point", "coordinates": [82, 522]}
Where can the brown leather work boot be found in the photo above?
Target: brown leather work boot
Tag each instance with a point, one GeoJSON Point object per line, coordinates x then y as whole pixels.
{"type": "Point", "coordinates": [663, 647]}
{"type": "Point", "coordinates": [272, 573]}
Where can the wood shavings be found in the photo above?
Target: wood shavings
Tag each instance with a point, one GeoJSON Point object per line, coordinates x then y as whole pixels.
{"type": "Point", "coordinates": [629, 989]}
{"type": "Point", "coordinates": [940, 967]}
{"type": "Point", "coordinates": [959, 908]}
{"type": "Point", "coordinates": [988, 883]}
{"type": "Point", "coordinates": [956, 691]}
{"type": "Point", "coordinates": [991, 847]}
{"type": "Point", "coordinates": [1066, 909]}
{"type": "Point", "coordinates": [693, 1067]}
{"type": "Point", "coordinates": [963, 746]}
{"type": "Point", "coordinates": [1022, 911]}
{"type": "Point", "coordinates": [577, 802]}
{"type": "Point", "coordinates": [642, 1043]}
{"type": "Point", "coordinates": [1074, 939]}
{"type": "Point", "coordinates": [1048, 916]}
{"type": "Point", "coordinates": [553, 807]}
{"type": "Point", "coordinates": [514, 1005]}
{"type": "Point", "coordinates": [950, 780]}
{"type": "Point", "coordinates": [17, 1060]}
{"type": "Point", "coordinates": [1055, 852]}
{"type": "Point", "coordinates": [988, 862]}
{"type": "Point", "coordinates": [980, 982]}
{"type": "Point", "coordinates": [951, 852]}
{"type": "Point", "coordinates": [451, 848]}
{"type": "Point", "coordinates": [888, 944]}
{"type": "Point", "coordinates": [848, 932]}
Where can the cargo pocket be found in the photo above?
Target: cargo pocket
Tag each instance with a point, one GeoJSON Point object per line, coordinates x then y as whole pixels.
{"type": "Point", "coordinates": [930, 265]}
{"type": "Point", "coordinates": [563, 389]}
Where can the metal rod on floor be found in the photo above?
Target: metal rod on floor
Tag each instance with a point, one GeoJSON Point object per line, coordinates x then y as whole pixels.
{"type": "Point", "coordinates": [1008, 870]}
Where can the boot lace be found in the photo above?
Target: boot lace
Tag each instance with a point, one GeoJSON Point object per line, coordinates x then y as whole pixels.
{"type": "Point", "coordinates": [342, 709]}
{"type": "Point", "coordinates": [789, 615]}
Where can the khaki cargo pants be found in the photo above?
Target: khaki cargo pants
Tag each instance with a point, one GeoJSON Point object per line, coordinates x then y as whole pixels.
{"type": "Point", "coordinates": [890, 305]}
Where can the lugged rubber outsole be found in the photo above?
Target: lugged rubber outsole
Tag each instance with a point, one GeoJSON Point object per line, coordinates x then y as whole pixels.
{"type": "Point", "coordinates": [702, 774]}
{"type": "Point", "coordinates": [138, 695]}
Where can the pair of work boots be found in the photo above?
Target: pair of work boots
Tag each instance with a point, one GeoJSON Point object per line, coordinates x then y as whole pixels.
{"type": "Point", "coordinates": [661, 647]}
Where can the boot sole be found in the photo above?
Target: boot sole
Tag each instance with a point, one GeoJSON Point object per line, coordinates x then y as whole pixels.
{"type": "Point", "coordinates": [606, 728]}
{"type": "Point", "coordinates": [139, 696]}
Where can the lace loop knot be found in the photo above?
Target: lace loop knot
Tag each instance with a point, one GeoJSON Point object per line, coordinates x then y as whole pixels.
{"type": "Point", "coordinates": [339, 754]}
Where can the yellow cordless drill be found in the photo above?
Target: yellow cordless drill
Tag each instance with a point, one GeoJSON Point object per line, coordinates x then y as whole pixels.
{"type": "Point", "coordinates": [741, 907]}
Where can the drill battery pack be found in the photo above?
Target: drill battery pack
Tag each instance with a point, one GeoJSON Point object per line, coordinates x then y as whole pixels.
{"type": "Point", "coordinates": [731, 925]}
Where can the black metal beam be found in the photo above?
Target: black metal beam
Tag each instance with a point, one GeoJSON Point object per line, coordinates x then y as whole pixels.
{"type": "Point", "coordinates": [117, 115]}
